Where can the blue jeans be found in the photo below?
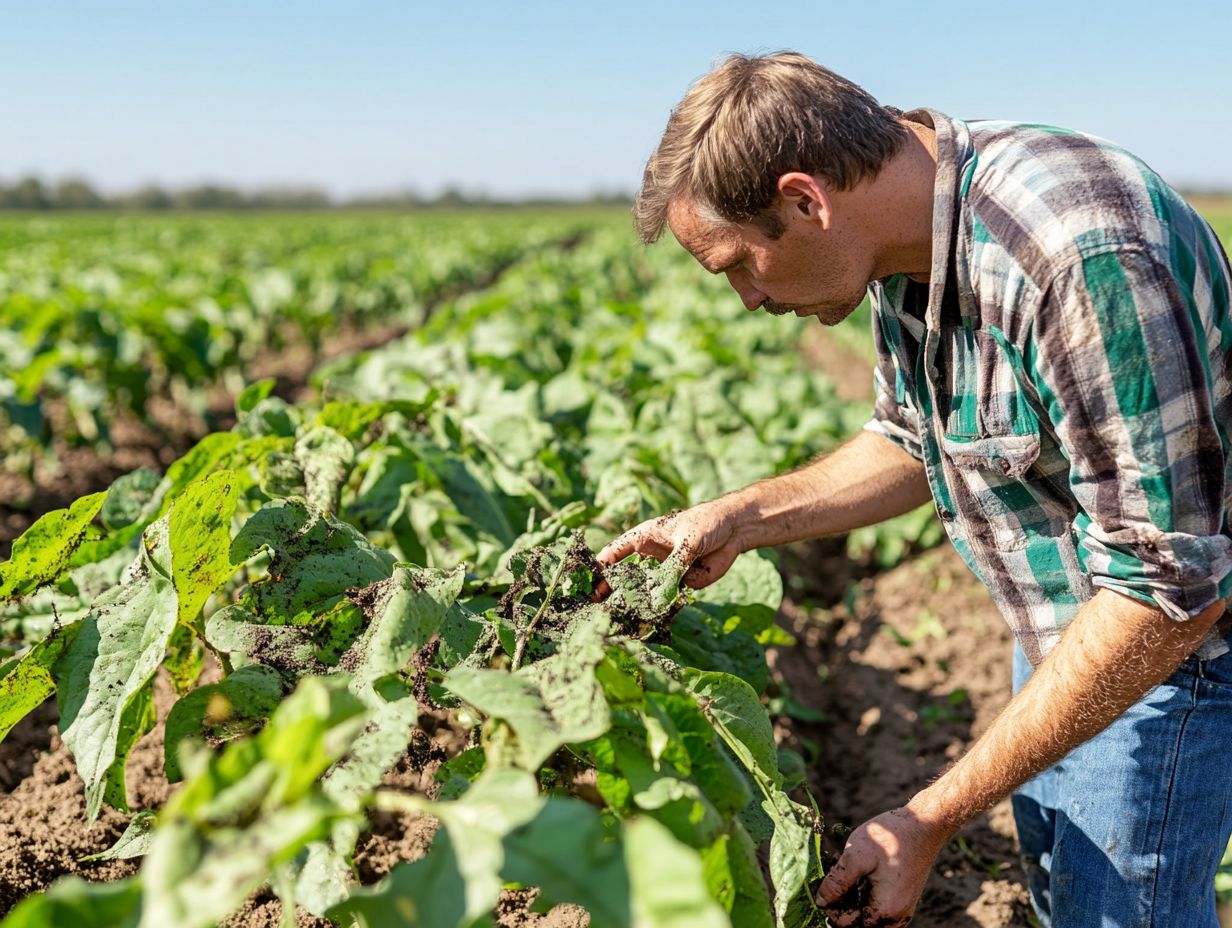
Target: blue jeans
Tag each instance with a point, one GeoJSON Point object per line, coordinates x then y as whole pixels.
{"type": "Point", "coordinates": [1127, 830]}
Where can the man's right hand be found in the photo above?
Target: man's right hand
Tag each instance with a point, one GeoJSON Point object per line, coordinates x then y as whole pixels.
{"type": "Point", "coordinates": [703, 536]}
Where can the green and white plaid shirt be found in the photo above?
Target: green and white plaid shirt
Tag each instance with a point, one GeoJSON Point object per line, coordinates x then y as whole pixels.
{"type": "Point", "coordinates": [1065, 376]}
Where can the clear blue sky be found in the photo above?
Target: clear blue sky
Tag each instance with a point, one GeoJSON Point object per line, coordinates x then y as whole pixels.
{"type": "Point", "coordinates": [558, 97]}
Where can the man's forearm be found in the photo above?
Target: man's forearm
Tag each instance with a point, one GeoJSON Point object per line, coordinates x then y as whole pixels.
{"type": "Point", "coordinates": [1115, 651]}
{"type": "Point", "coordinates": [867, 480]}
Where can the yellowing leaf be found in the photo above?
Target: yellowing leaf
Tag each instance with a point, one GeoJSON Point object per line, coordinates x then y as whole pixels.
{"type": "Point", "coordinates": [200, 535]}
{"type": "Point", "coordinates": [43, 551]}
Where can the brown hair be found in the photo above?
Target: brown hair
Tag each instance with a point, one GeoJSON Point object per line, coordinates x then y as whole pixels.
{"type": "Point", "coordinates": [753, 119]}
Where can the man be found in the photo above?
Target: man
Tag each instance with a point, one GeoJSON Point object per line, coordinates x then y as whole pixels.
{"type": "Point", "coordinates": [1053, 333]}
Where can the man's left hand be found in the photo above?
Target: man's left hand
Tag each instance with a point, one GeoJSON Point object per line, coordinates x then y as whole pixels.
{"type": "Point", "coordinates": [894, 853]}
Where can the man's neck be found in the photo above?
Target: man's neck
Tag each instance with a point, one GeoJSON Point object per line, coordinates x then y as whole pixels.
{"type": "Point", "coordinates": [896, 207]}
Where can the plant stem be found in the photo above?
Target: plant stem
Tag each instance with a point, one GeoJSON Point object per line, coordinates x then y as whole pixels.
{"type": "Point", "coordinates": [524, 635]}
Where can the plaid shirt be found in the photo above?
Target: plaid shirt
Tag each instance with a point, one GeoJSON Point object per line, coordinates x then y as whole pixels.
{"type": "Point", "coordinates": [1065, 376]}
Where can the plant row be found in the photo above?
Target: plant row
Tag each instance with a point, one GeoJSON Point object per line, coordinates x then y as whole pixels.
{"type": "Point", "coordinates": [100, 314]}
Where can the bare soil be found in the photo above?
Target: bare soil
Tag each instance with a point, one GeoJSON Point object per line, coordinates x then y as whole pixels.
{"type": "Point", "coordinates": [908, 667]}
{"type": "Point", "coordinates": [851, 374]}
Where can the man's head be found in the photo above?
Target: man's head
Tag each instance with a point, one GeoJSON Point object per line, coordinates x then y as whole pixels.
{"type": "Point", "coordinates": [749, 122]}
{"type": "Point", "coordinates": [754, 174]}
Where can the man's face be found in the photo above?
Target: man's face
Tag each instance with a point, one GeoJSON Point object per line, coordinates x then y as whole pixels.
{"type": "Point", "coordinates": [808, 270]}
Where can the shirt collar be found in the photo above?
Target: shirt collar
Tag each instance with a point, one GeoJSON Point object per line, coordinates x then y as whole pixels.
{"type": "Point", "coordinates": [955, 165]}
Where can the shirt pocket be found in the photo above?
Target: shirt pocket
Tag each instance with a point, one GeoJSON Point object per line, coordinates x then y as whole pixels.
{"type": "Point", "coordinates": [989, 425]}
{"type": "Point", "coordinates": [989, 440]}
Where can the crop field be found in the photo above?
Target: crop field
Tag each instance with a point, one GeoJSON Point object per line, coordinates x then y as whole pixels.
{"type": "Point", "coordinates": [298, 621]}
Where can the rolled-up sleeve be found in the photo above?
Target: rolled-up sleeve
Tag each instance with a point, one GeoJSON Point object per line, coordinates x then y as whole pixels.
{"type": "Point", "coordinates": [1120, 350]}
{"type": "Point", "coordinates": [892, 417]}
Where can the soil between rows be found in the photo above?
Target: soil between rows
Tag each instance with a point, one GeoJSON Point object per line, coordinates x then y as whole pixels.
{"type": "Point", "coordinates": [909, 667]}
{"type": "Point", "coordinates": [908, 670]}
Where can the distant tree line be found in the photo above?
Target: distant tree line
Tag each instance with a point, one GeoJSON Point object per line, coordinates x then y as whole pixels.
{"type": "Point", "coordinates": [32, 193]}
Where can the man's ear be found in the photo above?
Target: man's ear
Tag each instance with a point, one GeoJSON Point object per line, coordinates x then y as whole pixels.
{"type": "Point", "coordinates": [806, 197]}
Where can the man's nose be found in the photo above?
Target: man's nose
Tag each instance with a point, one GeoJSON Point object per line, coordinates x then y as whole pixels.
{"type": "Point", "coordinates": [750, 296]}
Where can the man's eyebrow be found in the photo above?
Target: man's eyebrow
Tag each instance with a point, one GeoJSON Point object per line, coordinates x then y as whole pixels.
{"type": "Point", "coordinates": [727, 266]}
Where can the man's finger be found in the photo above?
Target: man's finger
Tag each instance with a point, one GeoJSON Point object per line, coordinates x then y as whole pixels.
{"type": "Point", "coordinates": [686, 549]}
{"type": "Point", "coordinates": [841, 878]}
{"type": "Point", "coordinates": [848, 918]}
{"type": "Point", "coordinates": [698, 576]}
{"type": "Point", "coordinates": [706, 570]}
{"type": "Point", "coordinates": [621, 547]}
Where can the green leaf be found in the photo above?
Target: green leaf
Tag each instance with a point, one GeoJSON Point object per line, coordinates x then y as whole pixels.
{"type": "Point", "coordinates": [403, 614]}
{"type": "Point", "coordinates": [716, 868]}
{"type": "Point", "coordinates": [130, 498]}
{"type": "Point", "coordinates": [185, 658]}
{"type": "Point", "coordinates": [194, 879]}
{"type": "Point", "coordinates": [281, 475]}
{"type": "Point", "coordinates": [462, 483]}
{"type": "Point", "coordinates": [427, 893]}
{"type": "Point", "coordinates": [325, 878]}
{"type": "Point", "coordinates": [72, 901]}
{"type": "Point", "coordinates": [752, 580]}
{"type": "Point", "coordinates": [374, 752]}
{"type": "Point", "coordinates": [501, 800]}
{"type": "Point", "coordinates": [548, 704]}
{"type": "Point", "coordinates": [287, 648]}
{"type": "Point", "coordinates": [135, 841]}
{"type": "Point", "coordinates": [699, 639]}
{"type": "Point", "coordinates": [667, 880]}
{"type": "Point", "coordinates": [458, 773]}
{"type": "Point", "coordinates": [353, 419]}
{"type": "Point", "coordinates": [746, 599]}
{"type": "Point", "coordinates": [737, 713]}
{"type": "Point", "coordinates": [234, 706]}
{"type": "Point", "coordinates": [516, 701]}
{"type": "Point", "coordinates": [253, 394]}
{"type": "Point", "coordinates": [751, 906]}
{"type": "Point", "coordinates": [136, 720]}
{"type": "Point", "coordinates": [271, 416]}
{"type": "Point", "coordinates": [200, 537]}
{"type": "Point", "coordinates": [460, 632]}
{"type": "Point", "coordinates": [644, 592]}
{"type": "Point", "coordinates": [732, 704]}
{"type": "Point", "coordinates": [315, 560]}
{"type": "Point", "coordinates": [619, 685]}
{"type": "Point", "coordinates": [326, 458]}
{"type": "Point", "coordinates": [710, 764]}
{"type": "Point", "coordinates": [42, 552]}
{"type": "Point", "coordinates": [571, 855]}
{"type": "Point", "coordinates": [109, 664]}
{"type": "Point", "coordinates": [245, 813]}
{"type": "Point", "coordinates": [311, 729]}
{"type": "Point", "coordinates": [202, 458]}
{"type": "Point", "coordinates": [790, 851]}
{"type": "Point", "coordinates": [566, 680]}
{"type": "Point", "coordinates": [793, 768]}
{"type": "Point", "coordinates": [28, 680]}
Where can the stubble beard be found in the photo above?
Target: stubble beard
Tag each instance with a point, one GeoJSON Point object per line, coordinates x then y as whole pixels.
{"type": "Point", "coordinates": [779, 309]}
{"type": "Point", "coordinates": [825, 313]}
